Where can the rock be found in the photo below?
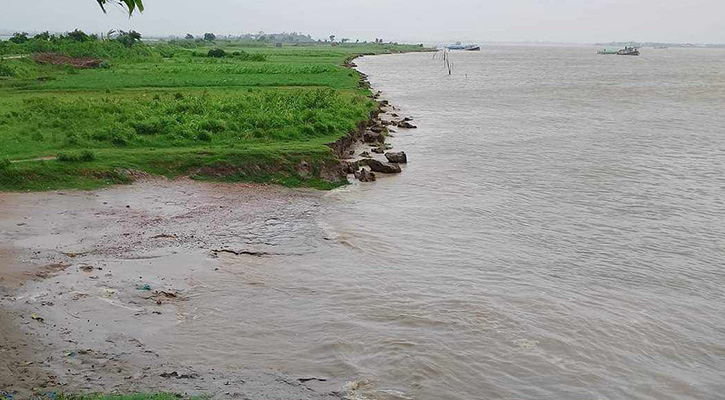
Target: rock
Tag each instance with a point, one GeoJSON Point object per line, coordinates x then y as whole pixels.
{"type": "Point", "coordinates": [397, 157]}
{"type": "Point", "coordinates": [378, 129]}
{"type": "Point", "coordinates": [178, 375]}
{"type": "Point", "coordinates": [304, 168]}
{"type": "Point", "coordinates": [373, 137]}
{"type": "Point", "coordinates": [406, 125]}
{"type": "Point", "coordinates": [365, 176]}
{"type": "Point", "coordinates": [349, 167]}
{"type": "Point", "coordinates": [378, 166]}
{"type": "Point", "coordinates": [391, 130]}
{"type": "Point", "coordinates": [407, 119]}
{"type": "Point", "coordinates": [384, 102]}
{"type": "Point", "coordinates": [378, 150]}
{"type": "Point", "coordinates": [365, 154]}
{"type": "Point", "coordinates": [395, 115]}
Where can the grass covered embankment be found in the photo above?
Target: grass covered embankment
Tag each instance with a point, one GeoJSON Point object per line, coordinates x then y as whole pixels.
{"type": "Point", "coordinates": [248, 113]}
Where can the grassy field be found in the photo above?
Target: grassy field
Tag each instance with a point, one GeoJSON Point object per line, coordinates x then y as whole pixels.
{"type": "Point", "coordinates": [261, 114]}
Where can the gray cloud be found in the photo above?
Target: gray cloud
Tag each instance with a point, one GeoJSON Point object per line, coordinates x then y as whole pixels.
{"type": "Point", "coordinates": [582, 21]}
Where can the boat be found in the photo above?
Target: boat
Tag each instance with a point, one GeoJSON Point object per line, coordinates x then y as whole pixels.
{"type": "Point", "coordinates": [459, 46]}
{"type": "Point", "coordinates": [628, 51]}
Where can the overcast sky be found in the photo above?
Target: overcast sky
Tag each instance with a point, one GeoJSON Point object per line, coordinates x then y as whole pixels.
{"type": "Point", "coordinates": [573, 21]}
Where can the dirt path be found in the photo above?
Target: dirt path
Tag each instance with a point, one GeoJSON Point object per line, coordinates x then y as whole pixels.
{"type": "Point", "coordinates": [92, 282]}
{"type": "Point", "coordinates": [13, 57]}
{"type": "Point", "coordinates": [48, 158]}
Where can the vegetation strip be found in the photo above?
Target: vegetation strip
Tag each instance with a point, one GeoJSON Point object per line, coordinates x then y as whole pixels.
{"type": "Point", "coordinates": [98, 111]}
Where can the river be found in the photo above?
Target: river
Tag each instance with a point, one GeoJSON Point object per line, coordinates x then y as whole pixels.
{"type": "Point", "coordinates": [559, 233]}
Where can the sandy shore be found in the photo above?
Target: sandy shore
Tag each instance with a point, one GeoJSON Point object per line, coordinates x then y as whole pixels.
{"type": "Point", "coordinates": [92, 281]}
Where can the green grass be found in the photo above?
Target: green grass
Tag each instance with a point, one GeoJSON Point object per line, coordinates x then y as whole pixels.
{"type": "Point", "coordinates": [254, 115]}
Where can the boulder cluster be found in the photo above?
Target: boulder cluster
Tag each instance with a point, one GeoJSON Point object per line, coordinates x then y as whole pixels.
{"type": "Point", "coordinates": [365, 165]}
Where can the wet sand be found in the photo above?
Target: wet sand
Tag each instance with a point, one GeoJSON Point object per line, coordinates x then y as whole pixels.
{"type": "Point", "coordinates": [94, 282]}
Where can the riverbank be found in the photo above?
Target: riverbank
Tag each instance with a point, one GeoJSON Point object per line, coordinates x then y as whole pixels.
{"type": "Point", "coordinates": [96, 287]}
{"type": "Point", "coordinates": [89, 280]}
{"type": "Point", "coordinates": [80, 313]}
{"type": "Point", "coordinates": [256, 114]}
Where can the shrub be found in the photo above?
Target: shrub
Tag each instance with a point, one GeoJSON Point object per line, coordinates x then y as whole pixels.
{"type": "Point", "coordinates": [204, 136]}
{"type": "Point", "coordinates": [6, 70]}
{"type": "Point", "coordinates": [217, 53]}
{"type": "Point", "coordinates": [84, 156]}
{"type": "Point", "coordinates": [244, 56]}
{"type": "Point", "coordinates": [117, 134]}
{"type": "Point", "coordinates": [213, 125]}
{"type": "Point", "coordinates": [150, 127]}
{"type": "Point", "coordinates": [5, 163]}
{"type": "Point", "coordinates": [118, 138]}
{"type": "Point", "coordinates": [71, 139]}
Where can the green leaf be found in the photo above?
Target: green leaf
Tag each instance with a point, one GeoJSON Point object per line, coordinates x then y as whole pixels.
{"type": "Point", "coordinates": [130, 5]}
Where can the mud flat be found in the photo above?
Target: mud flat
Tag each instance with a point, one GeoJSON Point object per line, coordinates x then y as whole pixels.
{"type": "Point", "coordinates": [96, 284]}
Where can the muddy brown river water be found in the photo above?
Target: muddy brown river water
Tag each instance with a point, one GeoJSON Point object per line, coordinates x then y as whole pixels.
{"type": "Point", "coordinates": [558, 234]}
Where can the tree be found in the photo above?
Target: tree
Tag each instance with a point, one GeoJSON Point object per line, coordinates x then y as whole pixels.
{"type": "Point", "coordinates": [78, 36]}
{"type": "Point", "coordinates": [217, 53]}
{"type": "Point", "coordinates": [128, 39]}
{"type": "Point", "coordinates": [332, 38]}
{"type": "Point", "coordinates": [44, 36]}
{"type": "Point", "coordinates": [19, 38]}
{"type": "Point", "coordinates": [209, 37]}
{"type": "Point", "coordinates": [189, 36]}
{"type": "Point", "coordinates": [344, 40]}
{"type": "Point", "coordinates": [129, 5]}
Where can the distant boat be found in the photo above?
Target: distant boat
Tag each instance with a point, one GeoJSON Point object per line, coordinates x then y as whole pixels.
{"type": "Point", "coordinates": [660, 47]}
{"type": "Point", "coordinates": [459, 46]}
{"type": "Point", "coordinates": [628, 51]}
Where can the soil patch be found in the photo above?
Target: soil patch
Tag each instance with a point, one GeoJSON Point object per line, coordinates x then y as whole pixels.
{"type": "Point", "coordinates": [59, 59]}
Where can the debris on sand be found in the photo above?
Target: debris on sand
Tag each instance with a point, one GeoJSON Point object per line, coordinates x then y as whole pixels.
{"type": "Point", "coordinates": [59, 59]}
{"type": "Point", "coordinates": [303, 380]}
{"type": "Point", "coordinates": [177, 375]}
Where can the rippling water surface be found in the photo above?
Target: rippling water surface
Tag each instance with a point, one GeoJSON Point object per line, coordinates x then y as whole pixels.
{"type": "Point", "coordinates": [558, 234]}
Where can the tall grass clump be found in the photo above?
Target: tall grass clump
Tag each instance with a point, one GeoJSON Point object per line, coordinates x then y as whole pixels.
{"type": "Point", "coordinates": [6, 70]}
{"type": "Point", "coordinates": [83, 156]}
